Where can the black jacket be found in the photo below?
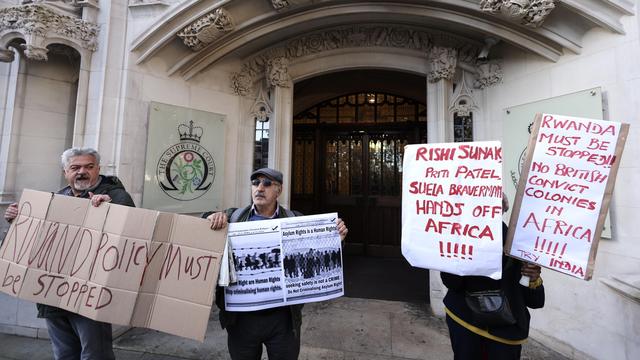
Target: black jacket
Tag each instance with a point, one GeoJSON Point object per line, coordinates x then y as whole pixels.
{"type": "Point", "coordinates": [109, 185]}
{"type": "Point", "coordinates": [228, 318]}
{"type": "Point", "coordinates": [520, 297]}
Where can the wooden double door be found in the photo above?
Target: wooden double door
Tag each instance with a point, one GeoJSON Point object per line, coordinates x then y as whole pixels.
{"type": "Point", "coordinates": [358, 173]}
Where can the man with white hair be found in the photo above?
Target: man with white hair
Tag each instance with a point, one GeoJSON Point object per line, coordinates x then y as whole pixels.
{"type": "Point", "coordinates": [74, 336]}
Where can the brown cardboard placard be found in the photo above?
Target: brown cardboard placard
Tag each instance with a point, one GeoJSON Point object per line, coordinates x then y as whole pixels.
{"type": "Point", "coordinates": [113, 263]}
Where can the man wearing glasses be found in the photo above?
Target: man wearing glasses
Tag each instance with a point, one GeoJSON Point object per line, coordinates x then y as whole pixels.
{"type": "Point", "coordinates": [277, 328]}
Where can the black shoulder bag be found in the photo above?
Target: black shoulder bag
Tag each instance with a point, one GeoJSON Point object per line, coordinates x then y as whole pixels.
{"type": "Point", "coordinates": [490, 308]}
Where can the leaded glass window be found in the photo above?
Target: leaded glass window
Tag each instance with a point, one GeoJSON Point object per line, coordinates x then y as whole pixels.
{"type": "Point", "coordinates": [463, 127]}
{"type": "Point", "coordinates": [261, 145]}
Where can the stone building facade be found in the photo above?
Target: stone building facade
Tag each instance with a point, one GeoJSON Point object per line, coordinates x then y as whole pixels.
{"type": "Point", "coordinates": [84, 73]}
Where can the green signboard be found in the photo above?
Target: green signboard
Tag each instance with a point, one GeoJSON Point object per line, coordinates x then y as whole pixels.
{"type": "Point", "coordinates": [517, 122]}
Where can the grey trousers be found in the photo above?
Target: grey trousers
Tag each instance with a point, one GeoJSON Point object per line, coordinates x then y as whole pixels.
{"type": "Point", "coordinates": [75, 337]}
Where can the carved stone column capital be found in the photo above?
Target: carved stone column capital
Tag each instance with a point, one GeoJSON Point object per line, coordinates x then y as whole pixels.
{"type": "Point", "coordinates": [34, 52]}
{"type": "Point", "coordinates": [278, 72]}
{"type": "Point", "coordinates": [7, 55]}
{"type": "Point", "coordinates": [530, 13]}
{"type": "Point", "coordinates": [207, 29]}
{"type": "Point", "coordinates": [488, 73]}
{"type": "Point", "coordinates": [442, 63]}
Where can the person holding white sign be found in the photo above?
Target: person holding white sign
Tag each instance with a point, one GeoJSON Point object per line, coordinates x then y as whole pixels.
{"type": "Point", "coordinates": [277, 328]}
{"type": "Point", "coordinates": [74, 336]}
{"type": "Point", "coordinates": [477, 330]}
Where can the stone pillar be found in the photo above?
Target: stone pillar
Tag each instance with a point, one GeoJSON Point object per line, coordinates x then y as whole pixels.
{"type": "Point", "coordinates": [442, 66]}
{"type": "Point", "coordinates": [9, 73]}
{"type": "Point", "coordinates": [81, 102]}
{"type": "Point", "coordinates": [281, 128]}
{"type": "Point", "coordinates": [103, 122]}
{"type": "Point", "coordinates": [488, 74]}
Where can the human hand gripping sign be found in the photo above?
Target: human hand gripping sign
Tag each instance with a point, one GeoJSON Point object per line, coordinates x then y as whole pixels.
{"type": "Point", "coordinates": [97, 199]}
{"type": "Point", "coordinates": [11, 212]}
{"type": "Point", "coordinates": [342, 229]}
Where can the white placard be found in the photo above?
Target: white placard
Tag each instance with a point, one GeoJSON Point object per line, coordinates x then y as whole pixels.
{"type": "Point", "coordinates": [452, 207]}
{"type": "Point", "coordinates": [563, 197]}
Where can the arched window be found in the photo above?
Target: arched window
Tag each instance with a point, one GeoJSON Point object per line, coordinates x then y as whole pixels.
{"type": "Point", "coordinates": [261, 144]}
{"type": "Point", "coordinates": [463, 123]}
{"type": "Point", "coordinates": [261, 113]}
{"type": "Point", "coordinates": [363, 108]}
{"type": "Point", "coordinates": [335, 133]}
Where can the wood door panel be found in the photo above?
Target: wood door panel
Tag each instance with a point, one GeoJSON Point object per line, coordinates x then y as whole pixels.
{"type": "Point", "coordinates": [359, 175]}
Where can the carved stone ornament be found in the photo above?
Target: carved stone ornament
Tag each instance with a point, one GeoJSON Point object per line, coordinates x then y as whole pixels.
{"type": "Point", "coordinates": [353, 36]}
{"type": "Point", "coordinates": [39, 23]}
{"type": "Point", "coordinates": [531, 13]}
{"type": "Point", "coordinates": [207, 29]}
{"type": "Point", "coordinates": [489, 73]}
{"type": "Point", "coordinates": [442, 63]}
{"type": "Point", "coordinates": [35, 52]}
{"type": "Point", "coordinates": [241, 83]}
{"type": "Point", "coordinates": [7, 55]}
{"type": "Point", "coordinates": [278, 72]}
{"type": "Point", "coordinates": [463, 103]}
{"type": "Point", "coordinates": [68, 7]}
{"type": "Point", "coordinates": [261, 110]}
{"type": "Point", "coordinates": [279, 4]}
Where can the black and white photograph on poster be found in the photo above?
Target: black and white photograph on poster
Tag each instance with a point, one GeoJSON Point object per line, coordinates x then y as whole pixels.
{"type": "Point", "coordinates": [258, 264]}
{"type": "Point", "coordinates": [285, 261]}
{"type": "Point", "coordinates": [312, 259]}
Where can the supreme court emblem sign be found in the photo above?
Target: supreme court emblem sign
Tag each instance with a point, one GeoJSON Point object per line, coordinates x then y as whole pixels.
{"type": "Point", "coordinates": [185, 155]}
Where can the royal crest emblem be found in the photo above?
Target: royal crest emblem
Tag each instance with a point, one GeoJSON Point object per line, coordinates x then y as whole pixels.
{"type": "Point", "coordinates": [186, 170]}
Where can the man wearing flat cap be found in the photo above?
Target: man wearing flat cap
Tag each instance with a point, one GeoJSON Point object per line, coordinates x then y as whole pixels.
{"type": "Point", "coordinates": [277, 328]}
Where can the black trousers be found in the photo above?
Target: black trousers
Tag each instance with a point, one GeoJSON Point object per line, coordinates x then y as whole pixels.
{"type": "Point", "coordinates": [273, 328]}
{"type": "Point", "coordinates": [468, 345]}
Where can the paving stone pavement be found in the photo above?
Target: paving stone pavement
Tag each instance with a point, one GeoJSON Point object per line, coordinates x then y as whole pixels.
{"type": "Point", "coordinates": [340, 329]}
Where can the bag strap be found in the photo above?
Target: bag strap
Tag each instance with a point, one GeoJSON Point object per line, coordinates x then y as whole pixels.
{"type": "Point", "coordinates": [236, 214]}
{"type": "Point", "coordinates": [292, 213]}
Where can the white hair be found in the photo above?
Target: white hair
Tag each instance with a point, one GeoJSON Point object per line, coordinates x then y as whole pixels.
{"type": "Point", "coordinates": [77, 151]}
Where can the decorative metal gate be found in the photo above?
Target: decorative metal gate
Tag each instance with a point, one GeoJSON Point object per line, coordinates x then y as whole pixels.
{"type": "Point", "coordinates": [347, 157]}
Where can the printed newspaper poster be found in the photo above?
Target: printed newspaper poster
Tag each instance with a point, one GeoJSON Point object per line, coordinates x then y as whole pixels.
{"type": "Point", "coordinates": [284, 262]}
{"type": "Point", "coordinates": [452, 207]}
{"type": "Point", "coordinates": [564, 192]}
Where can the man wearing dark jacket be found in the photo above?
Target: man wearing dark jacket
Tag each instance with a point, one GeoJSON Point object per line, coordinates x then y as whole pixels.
{"type": "Point", "coordinates": [277, 328]}
{"type": "Point", "coordinates": [74, 336]}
